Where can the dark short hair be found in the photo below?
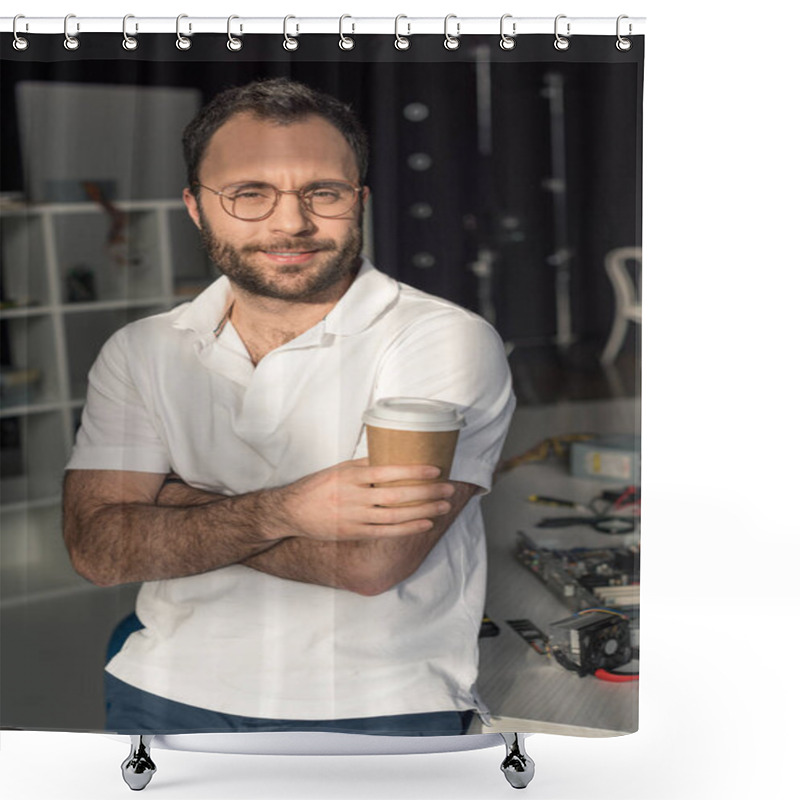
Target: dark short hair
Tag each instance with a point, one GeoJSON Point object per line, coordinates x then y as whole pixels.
{"type": "Point", "coordinates": [278, 100]}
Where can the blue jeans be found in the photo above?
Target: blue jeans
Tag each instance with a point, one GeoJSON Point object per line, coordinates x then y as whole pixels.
{"type": "Point", "coordinates": [130, 711]}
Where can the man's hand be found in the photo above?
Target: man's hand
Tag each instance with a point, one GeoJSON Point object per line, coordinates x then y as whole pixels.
{"type": "Point", "coordinates": [368, 566]}
{"type": "Point", "coordinates": [343, 502]}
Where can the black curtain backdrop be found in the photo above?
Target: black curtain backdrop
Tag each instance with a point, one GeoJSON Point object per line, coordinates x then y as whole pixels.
{"type": "Point", "coordinates": [430, 224]}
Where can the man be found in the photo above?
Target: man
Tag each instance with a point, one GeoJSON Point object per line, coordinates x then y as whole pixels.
{"type": "Point", "coordinates": [221, 457]}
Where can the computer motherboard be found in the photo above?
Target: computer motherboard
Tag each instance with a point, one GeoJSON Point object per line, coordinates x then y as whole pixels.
{"type": "Point", "coordinates": [584, 578]}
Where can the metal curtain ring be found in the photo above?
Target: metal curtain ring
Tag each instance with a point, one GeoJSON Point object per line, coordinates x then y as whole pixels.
{"type": "Point", "coordinates": [623, 44]}
{"type": "Point", "coordinates": [507, 42]}
{"type": "Point", "coordinates": [346, 42]}
{"type": "Point", "coordinates": [234, 44]}
{"type": "Point", "coordinates": [129, 42]}
{"type": "Point", "coordinates": [561, 43]}
{"type": "Point", "coordinates": [182, 43]}
{"type": "Point", "coordinates": [401, 42]}
{"type": "Point", "coordinates": [451, 42]}
{"type": "Point", "coordinates": [288, 42]}
{"type": "Point", "coordinates": [70, 42]}
{"type": "Point", "coordinates": [20, 42]}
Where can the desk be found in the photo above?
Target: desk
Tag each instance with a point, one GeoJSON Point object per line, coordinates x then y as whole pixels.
{"type": "Point", "coordinates": [526, 691]}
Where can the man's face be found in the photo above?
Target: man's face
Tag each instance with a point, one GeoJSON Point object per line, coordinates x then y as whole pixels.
{"type": "Point", "coordinates": [292, 254]}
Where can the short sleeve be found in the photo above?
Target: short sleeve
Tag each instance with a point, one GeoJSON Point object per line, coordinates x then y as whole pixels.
{"type": "Point", "coordinates": [457, 357]}
{"type": "Point", "coordinates": [117, 430]}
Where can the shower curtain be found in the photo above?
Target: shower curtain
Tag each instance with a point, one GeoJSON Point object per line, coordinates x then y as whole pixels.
{"type": "Point", "coordinates": [504, 179]}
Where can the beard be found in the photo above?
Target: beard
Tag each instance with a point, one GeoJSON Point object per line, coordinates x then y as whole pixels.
{"type": "Point", "coordinates": [336, 263]}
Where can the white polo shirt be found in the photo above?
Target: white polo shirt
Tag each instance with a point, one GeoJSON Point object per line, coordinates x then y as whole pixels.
{"type": "Point", "coordinates": [166, 393]}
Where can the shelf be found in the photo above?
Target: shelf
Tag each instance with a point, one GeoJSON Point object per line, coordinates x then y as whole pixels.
{"type": "Point", "coordinates": [97, 261]}
{"type": "Point", "coordinates": [72, 277]}
{"type": "Point", "coordinates": [115, 305]}
{"type": "Point", "coordinates": [27, 311]}
{"type": "Point", "coordinates": [24, 261]}
{"type": "Point", "coordinates": [71, 308]}
{"type": "Point", "coordinates": [31, 505]}
{"type": "Point", "coordinates": [35, 453]}
{"type": "Point", "coordinates": [95, 305]}
{"type": "Point", "coordinates": [88, 207]}
{"type": "Point", "coordinates": [85, 334]}
{"type": "Point", "coordinates": [30, 343]}
{"type": "Point", "coordinates": [33, 408]}
{"type": "Point", "coordinates": [40, 408]}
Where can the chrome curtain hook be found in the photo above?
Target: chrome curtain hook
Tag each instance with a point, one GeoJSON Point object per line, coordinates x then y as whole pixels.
{"type": "Point", "coordinates": [623, 44]}
{"type": "Point", "coordinates": [346, 42]}
{"type": "Point", "coordinates": [20, 42]}
{"type": "Point", "coordinates": [234, 44]}
{"type": "Point", "coordinates": [182, 42]}
{"type": "Point", "coordinates": [401, 42]}
{"type": "Point", "coordinates": [561, 43]}
{"type": "Point", "coordinates": [507, 42]}
{"type": "Point", "coordinates": [451, 42]}
{"type": "Point", "coordinates": [129, 42]}
{"type": "Point", "coordinates": [290, 43]}
{"type": "Point", "coordinates": [71, 42]}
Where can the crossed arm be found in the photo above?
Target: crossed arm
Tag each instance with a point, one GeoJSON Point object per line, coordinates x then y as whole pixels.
{"type": "Point", "coordinates": [333, 528]}
{"type": "Point", "coordinates": [368, 566]}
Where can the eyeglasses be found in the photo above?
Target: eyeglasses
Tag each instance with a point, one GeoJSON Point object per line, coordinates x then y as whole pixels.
{"type": "Point", "coordinates": [252, 202]}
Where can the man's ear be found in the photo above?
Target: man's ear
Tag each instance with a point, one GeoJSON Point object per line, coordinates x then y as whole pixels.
{"type": "Point", "coordinates": [190, 201]}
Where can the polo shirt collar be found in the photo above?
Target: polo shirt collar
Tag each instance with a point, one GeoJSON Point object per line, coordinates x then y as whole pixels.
{"type": "Point", "coordinates": [370, 294]}
{"type": "Point", "coordinates": [204, 314]}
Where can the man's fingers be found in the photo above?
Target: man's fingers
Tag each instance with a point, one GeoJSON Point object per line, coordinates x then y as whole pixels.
{"type": "Point", "coordinates": [399, 515]}
{"type": "Point", "coordinates": [354, 500]}
{"type": "Point", "coordinates": [410, 472]}
{"type": "Point", "coordinates": [399, 495]}
{"type": "Point", "coordinates": [416, 526]}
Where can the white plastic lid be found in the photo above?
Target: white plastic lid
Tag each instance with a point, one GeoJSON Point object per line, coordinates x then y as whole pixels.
{"type": "Point", "coordinates": [414, 414]}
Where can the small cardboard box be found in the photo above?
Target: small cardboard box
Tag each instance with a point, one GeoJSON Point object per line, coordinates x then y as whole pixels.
{"type": "Point", "coordinates": [612, 458]}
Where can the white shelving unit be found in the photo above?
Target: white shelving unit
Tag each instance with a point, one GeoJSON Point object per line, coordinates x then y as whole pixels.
{"type": "Point", "coordinates": [65, 291]}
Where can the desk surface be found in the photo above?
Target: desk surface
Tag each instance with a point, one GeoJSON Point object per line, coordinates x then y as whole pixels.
{"type": "Point", "coordinates": [526, 691]}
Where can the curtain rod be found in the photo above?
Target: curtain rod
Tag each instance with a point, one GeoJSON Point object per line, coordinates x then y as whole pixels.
{"type": "Point", "coordinates": [346, 25]}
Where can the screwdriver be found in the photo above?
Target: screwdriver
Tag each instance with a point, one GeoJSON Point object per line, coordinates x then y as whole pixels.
{"type": "Point", "coordinates": [553, 501]}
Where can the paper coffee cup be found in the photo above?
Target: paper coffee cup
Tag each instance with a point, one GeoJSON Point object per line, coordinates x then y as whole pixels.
{"type": "Point", "coordinates": [409, 430]}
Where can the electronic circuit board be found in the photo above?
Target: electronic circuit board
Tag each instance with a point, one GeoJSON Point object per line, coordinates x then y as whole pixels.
{"type": "Point", "coordinates": [584, 578]}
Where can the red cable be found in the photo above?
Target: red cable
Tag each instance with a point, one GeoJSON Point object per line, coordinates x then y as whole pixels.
{"type": "Point", "coordinates": [630, 491]}
{"type": "Point", "coordinates": [604, 675]}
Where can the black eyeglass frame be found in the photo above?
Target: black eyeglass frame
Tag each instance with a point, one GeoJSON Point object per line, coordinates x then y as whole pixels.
{"type": "Point", "coordinates": [299, 192]}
